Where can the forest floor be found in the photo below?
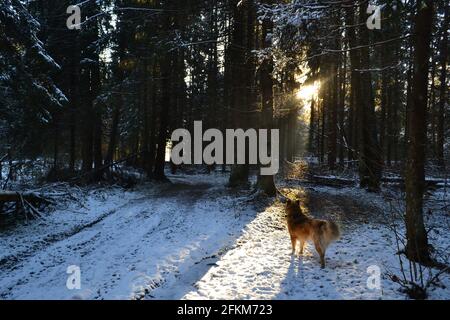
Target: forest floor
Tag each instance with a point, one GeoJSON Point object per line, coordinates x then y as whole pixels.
{"type": "Point", "coordinates": [194, 238]}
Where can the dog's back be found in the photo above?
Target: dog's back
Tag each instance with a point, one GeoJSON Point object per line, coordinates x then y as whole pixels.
{"type": "Point", "coordinates": [299, 225]}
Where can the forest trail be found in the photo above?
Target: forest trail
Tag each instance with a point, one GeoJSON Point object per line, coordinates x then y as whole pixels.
{"type": "Point", "coordinates": [260, 265]}
{"type": "Point", "coordinates": [136, 242]}
{"type": "Point", "coordinates": [194, 239]}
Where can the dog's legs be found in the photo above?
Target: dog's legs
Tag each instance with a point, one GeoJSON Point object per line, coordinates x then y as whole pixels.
{"type": "Point", "coordinates": [321, 252]}
{"type": "Point", "coordinates": [294, 244]}
{"type": "Point", "coordinates": [302, 246]}
{"type": "Point", "coordinates": [322, 260]}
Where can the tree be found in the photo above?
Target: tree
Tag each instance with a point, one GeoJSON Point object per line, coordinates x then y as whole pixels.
{"type": "Point", "coordinates": [443, 89]}
{"type": "Point", "coordinates": [370, 161]}
{"type": "Point", "coordinates": [353, 124]}
{"type": "Point", "coordinates": [266, 183]}
{"type": "Point", "coordinates": [29, 96]}
{"type": "Point", "coordinates": [89, 89]}
{"type": "Point", "coordinates": [417, 240]}
{"type": "Point", "coordinates": [166, 102]}
{"type": "Point", "coordinates": [239, 53]}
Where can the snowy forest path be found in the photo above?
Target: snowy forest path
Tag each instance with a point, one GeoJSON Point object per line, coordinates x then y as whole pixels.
{"type": "Point", "coordinates": [194, 238]}
{"type": "Point", "coordinates": [129, 244]}
{"type": "Point", "coordinates": [260, 264]}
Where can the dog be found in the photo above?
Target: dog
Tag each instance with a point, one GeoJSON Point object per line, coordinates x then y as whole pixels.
{"type": "Point", "coordinates": [303, 228]}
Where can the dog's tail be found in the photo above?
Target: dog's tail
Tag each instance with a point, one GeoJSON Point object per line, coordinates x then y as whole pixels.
{"type": "Point", "coordinates": [333, 230]}
{"type": "Point", "coordinates": [329, 231]}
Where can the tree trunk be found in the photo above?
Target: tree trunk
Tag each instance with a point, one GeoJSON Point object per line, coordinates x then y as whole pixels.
{"type": "Point", "coordinates": [165, 105]}
{"type": "Point", "coordinates": [239, 173]}
{"type": "Point", "coordinates": [331, 103]}
{"type": "Point", "coordinates": [312, 129]}
{"type": "Point", "coordinates": [166, 102]}
{"type": "Point", "coordinates": [152, 142]}
{"type": "Point", "coordinates": [341, 111]}
{"type": "Point", "coordinates": [354, 83]}
{"type": "Point", "coordinates": [266, 183]}
{"type": "Point", "coordinates": [443, 90]}
{"type": "Point", "coordinates": [370, 161]}
{"type": "Point", "coordinates": [417, 240]}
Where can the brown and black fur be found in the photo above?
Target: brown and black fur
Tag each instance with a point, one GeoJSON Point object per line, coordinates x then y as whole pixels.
{"type": "Point", "coordinates": [303, 228]}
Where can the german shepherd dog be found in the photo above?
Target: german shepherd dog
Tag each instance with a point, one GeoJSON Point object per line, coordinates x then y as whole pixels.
{"type": "Point", "coordinates": [303, 228]}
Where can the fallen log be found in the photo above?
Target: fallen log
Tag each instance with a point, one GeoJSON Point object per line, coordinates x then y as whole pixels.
{"type": "Point", "coordinates": [336, 182]}
{"type": "Point", "coordinates": [325, 181]}
{"type": "Point", "coordinates": [26, 203]}
{"type": "Point", "coordinates": [11, 196]}
{"type": "Point", "coordinates": [332, 181]}
{"type": "Point", "coordinates": [430, 183]}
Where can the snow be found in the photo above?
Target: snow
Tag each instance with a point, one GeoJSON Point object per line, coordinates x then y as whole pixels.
{"type": "Point", "coordinates": [261, 265]}
{"type": "Point", "coordinates": [88, 61]}
{"type": "Point", "coordinates": [56, 97]}
{"type": "Point", "coordinates": [45, 56]}
{"type": "Point", "coordinates": [196, 239]}
{"type": "Point", "coordinates": [126, 244]}
{"type": "Point", "coordinates": [269, 271]}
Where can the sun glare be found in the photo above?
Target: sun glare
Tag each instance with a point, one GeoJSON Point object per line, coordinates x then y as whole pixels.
{"type": "Point", "coordinates": [307, 93]}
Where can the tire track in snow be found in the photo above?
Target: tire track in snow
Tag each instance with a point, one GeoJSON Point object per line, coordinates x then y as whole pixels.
{"type": "Point", "coordinates": [9, 263]}
{"type": "Point", "coordinates": [129, 251]}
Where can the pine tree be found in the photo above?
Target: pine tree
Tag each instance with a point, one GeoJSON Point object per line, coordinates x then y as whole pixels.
{"type": "Point", "coordinates": [416, 235]}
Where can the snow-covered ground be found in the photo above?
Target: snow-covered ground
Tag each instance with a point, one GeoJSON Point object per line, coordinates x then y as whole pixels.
{"type": "Point", "coordinates": [261, 265]}
{"type": "Point", "coordinates": [196, 239]}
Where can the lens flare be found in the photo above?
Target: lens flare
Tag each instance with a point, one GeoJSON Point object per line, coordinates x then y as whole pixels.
{"type": "Point", "coordinates": [309, 92]}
